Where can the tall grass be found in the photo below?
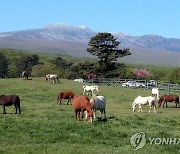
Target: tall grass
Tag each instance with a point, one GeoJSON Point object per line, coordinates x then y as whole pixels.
{"type": "Point", "coordinates": [45, 127]}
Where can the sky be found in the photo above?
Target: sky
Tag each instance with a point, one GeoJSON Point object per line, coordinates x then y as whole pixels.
{"type": "Point", "coordinates": [133, 17]}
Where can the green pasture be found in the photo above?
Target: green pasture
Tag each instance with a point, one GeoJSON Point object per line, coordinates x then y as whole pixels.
{"type": "Point", "coordinates": [45, 127]}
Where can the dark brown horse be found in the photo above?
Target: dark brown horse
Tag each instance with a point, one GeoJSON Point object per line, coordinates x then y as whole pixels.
{"type": "Point", "coordinates": [65, 95]}
{"type": "Point", "coordinates": [81, 104]}
{"type": "Point", "coordinates": [8, 100]}
{"type": "Point", "coordinates": [168, 98]}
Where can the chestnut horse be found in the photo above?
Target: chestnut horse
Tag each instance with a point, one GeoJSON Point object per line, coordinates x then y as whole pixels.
{"type": "Point", "coordinates": [65, 95]}
{"type": "Point", "coordinates": [81, 104]}
{"type": "Point", "coordinates": [8, 100]}
{"type": "Point", "coordinates": [168, 98]}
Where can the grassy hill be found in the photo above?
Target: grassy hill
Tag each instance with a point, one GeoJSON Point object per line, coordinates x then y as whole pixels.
{"type": "Point", "coordinates": [45, 127]}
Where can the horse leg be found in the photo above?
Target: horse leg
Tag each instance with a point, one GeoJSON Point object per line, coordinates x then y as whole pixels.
{"type": "Point", "coordinates": [101, 112]}
{"type": "Point", "coordinates": [15, 108]}
{"type": "Point", "coordinates": [92, 92]}
{"type": "Point", "coordinates": [94, 114]}
{"type": "Point", "coordinates": [104, 113]}
{"type": "Point", "coordinates": [76, 114]}
{"type": "Point", "coordinates": [163, 104]}
{"type": "Point", "coordinates": [166, 104]}
{"type": "Point", "coordinates": [79, 115]}
{"type": "Point", "coordinates": [4, 109]}
{"type": "Point", "coordinates": [82, 116]}
{"type": "Point", "coordinates": [85, 112]}
{"type": "Point", "coordinates": [60, 101]}
{"type": "Point", "coordinates": [154, 108]}
{"type": "Point", "coordinates": [19, 107]}
{"type": "Point", "coordinates": [150, 109]}
{"type": "Point", "coordinates": [141, 108]}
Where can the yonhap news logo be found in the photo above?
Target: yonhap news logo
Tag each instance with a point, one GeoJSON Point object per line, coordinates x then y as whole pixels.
{"type": "Point", "coordinates": [138, 141]}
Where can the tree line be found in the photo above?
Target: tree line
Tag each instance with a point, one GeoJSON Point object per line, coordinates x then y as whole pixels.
{"type": "Point", "coordinates": [103, 46]}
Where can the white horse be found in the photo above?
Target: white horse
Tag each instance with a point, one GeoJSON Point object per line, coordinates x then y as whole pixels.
{"type": "Point", "coordinates": [90, 89]}
{"type": "Point", "coordinates": [144, 101]}
{"type": "Point", "coordinates": [155, 93]}
{"type": "Point", "coordinates": [98, 103]}
{"type": "Point", "coordinates": [53, 77]}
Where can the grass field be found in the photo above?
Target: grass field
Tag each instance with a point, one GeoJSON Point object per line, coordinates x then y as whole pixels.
{"type": "Point", "coordinates": [45, 127]}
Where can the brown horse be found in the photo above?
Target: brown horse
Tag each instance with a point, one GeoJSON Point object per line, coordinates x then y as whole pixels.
{"type": "Point", "coordinates": [81, 104]}
{"type": "Point", "coordinates": [65, 95]}
{"type": "Point", "coordinates": [168, 98]}
{"type": "Point", "coordinates": [8, 100]}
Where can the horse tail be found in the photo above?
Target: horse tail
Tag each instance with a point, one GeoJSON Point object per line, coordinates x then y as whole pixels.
{"type": "Point", "coordinates": [18, 104]}
{"type": "Point", "coordinates": [178, 101]}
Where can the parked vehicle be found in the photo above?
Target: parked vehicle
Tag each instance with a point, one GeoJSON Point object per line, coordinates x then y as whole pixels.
{"type": "Point", "coordinates": [151, 83]}
{"type": "Point", "coordinates": [79, 80]}
{"type": "Point", "coordinates": [133, 84]}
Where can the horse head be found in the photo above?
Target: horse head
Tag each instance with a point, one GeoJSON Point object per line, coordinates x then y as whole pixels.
{"type": "Point", "coordinates": [160, 101]}
{"type": "Point", "coordinates": [96, 88]}
{"type": "Point", "coordinates": [89, 111]}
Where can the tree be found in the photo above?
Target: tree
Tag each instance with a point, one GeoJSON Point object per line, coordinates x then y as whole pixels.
{"type": "Point", "coordinates": [105, 47]}
{"type": "Point", "coordinates": [25, 63]}
{"type": "Point", "coordinates": [3, 65]}
{"type": "Point", "coordinates": [174, 75]}
{"type": "Point", "coordinates": [60, 62]}
{"type": "Point", "coordinates": [141, 73]}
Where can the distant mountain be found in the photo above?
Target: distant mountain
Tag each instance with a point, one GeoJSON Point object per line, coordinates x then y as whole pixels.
{"type": "Point", "coordinates": [73, 40]}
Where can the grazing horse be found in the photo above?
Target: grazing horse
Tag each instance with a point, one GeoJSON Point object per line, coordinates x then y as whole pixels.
{"type": "Point", "coordinates": [25, 75]}
{"type": "Point", "coordinates": [53, 77]}
{"type": "Point", "coordinates": [90, 89]}
{"type": "Point", "coordinates": [155, 93]}
{"type": "Point", "coordinates": [168, 98]}
{"type": "Point", "coordinates": [81, 104]}
{"type": "Point", "coordinates": [143, 101]}
{"type": "Point", "coordinates": [8, 100]}
{"type": "Point", "coordinates": [65, 95]}
{"type": "Point", "coordinates": [98, 103]}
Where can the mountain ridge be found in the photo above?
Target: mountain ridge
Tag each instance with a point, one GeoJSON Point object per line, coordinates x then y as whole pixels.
{"type": "Point", "coordinates": [73, 40]}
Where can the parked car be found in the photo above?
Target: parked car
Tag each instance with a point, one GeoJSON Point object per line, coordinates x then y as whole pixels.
{"type": "Point", "coordinates": [79, 80]}
{"type": "Point", "coordinates": [151, 83]}
{"type": "Point", "coordinates": [133, 84]}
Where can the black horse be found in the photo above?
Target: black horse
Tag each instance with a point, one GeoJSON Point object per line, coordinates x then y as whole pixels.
{"type": "Point", "coordinates": [8, 100]}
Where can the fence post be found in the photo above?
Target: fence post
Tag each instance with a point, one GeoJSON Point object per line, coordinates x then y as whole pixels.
{"type": "Point", "coordinates": [168, 88]}
{"type": "Point", "coordinates": [147, 86]}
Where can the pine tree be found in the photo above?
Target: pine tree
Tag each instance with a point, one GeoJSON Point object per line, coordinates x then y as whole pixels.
{"type": "Point", "coordinates": [105, 47]}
